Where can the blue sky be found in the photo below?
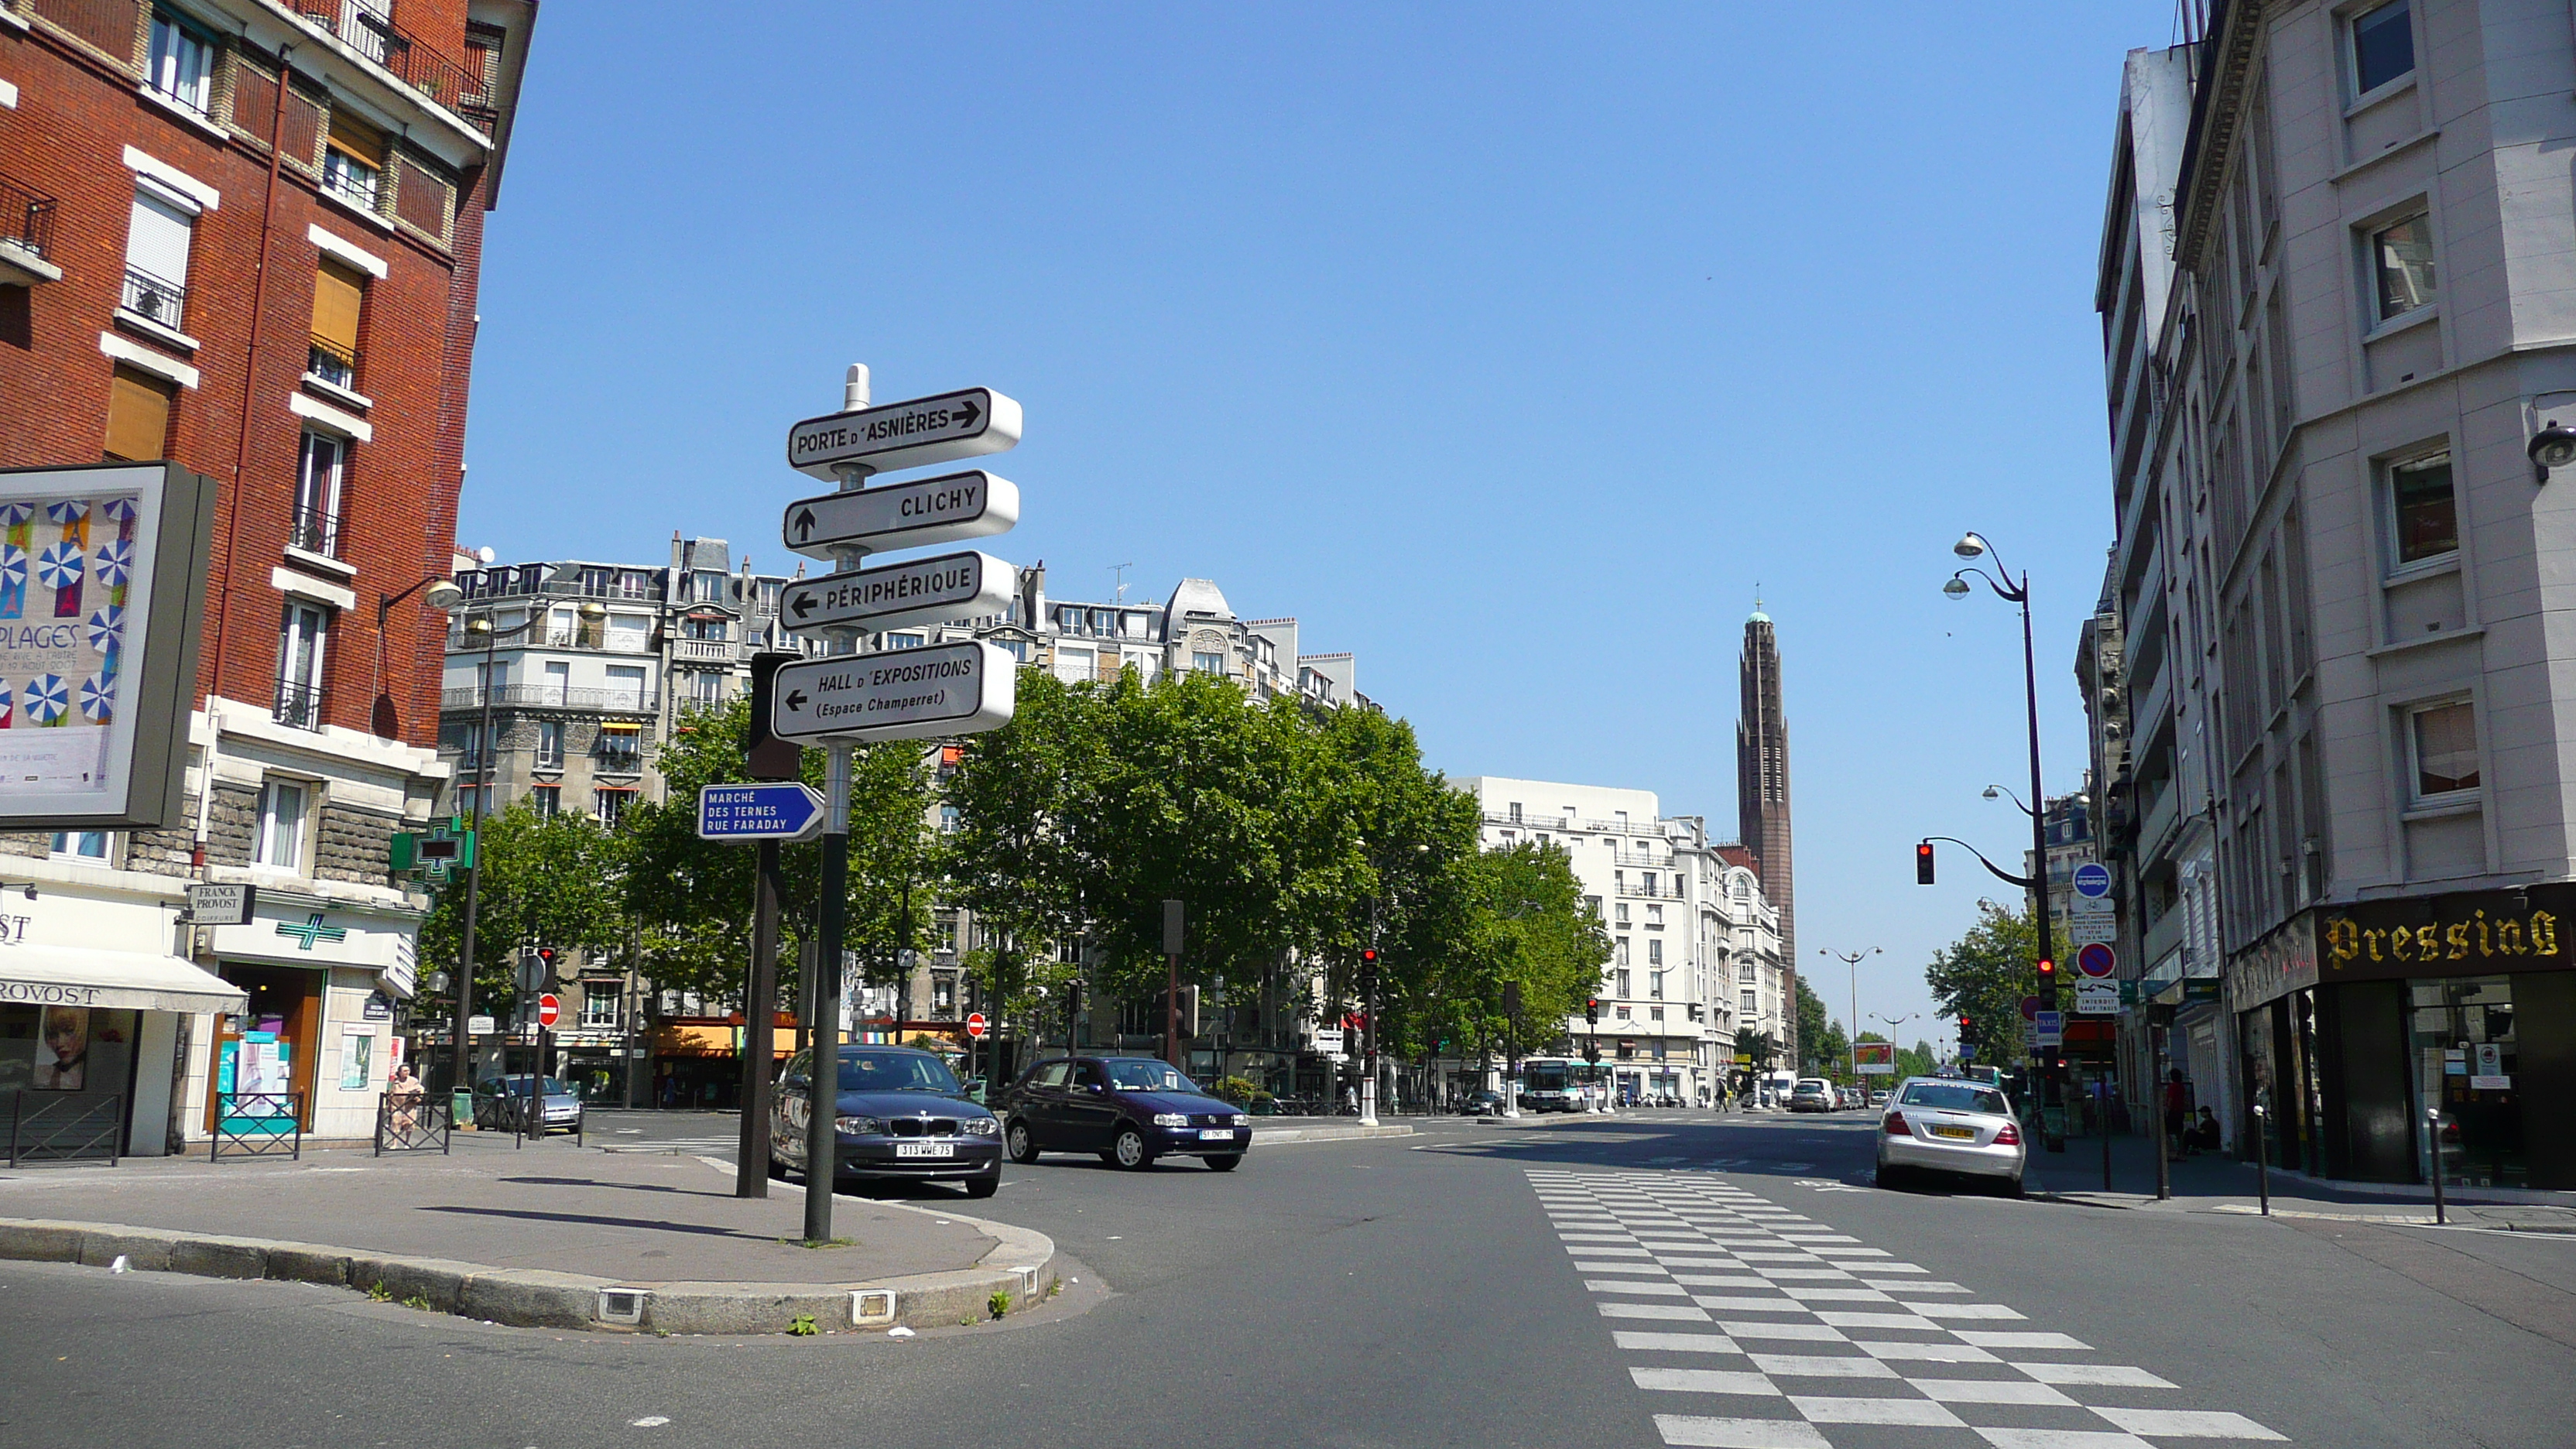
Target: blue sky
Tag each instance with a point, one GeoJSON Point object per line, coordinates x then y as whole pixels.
{"type": "Point", "coordinates": [1508, 346]}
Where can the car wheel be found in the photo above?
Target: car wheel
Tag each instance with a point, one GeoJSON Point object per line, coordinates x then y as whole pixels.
{"type": "Point", "coordinates": [1893, 1177]}
{"type": "Point", "coordinates": [2012, 1187]}
{"type": "Point", "coordinates": [777, 1169]}
{"type": "Point", "coordinates": [985, 1184]}
{"type": "Point", "coordinates": [1022, 1145]}
{"type": "Point", "coordinates": [1127, 1149]}
{"type": "Point", "coordinates": [1226, 1162]}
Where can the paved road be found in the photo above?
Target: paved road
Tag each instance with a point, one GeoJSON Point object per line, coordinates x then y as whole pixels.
{"type": "Point", "coordinates": [1567, 1281]}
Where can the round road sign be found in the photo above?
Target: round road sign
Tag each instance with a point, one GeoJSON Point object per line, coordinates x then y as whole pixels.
{"type": "Point", "coordinates": [549, 1010]}
{"type": "Point", "coordinates": [2092, 881]}
{"type": "Point", "coordinates": [976, 1026]}
{"type": "Point", "coordinates": [2095, 960]}
{"type": "Point", "coordinates": [2030, 1008]}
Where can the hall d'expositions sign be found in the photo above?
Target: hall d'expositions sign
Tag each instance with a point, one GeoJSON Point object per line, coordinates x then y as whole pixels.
{"type": "Point", "coordinates": [909, 694]}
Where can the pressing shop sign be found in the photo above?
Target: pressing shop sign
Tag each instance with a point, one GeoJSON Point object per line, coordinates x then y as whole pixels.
{"type": "Point", "coordinates": [2451, 935]}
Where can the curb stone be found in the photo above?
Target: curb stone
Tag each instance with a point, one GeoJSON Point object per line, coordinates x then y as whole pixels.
{"type": "Point", "coordinates": [1022, 1263]}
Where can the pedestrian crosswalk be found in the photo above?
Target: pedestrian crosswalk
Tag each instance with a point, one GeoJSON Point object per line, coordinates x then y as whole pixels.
{"type": "Point", "coordinates": [712, 1144]}
{"type": "Point", "coordinates": [1755, 1327]}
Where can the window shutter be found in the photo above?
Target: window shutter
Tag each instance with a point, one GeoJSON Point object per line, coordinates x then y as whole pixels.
{"type": "Point", "coordinates": [158, 241]}
{"type": "Point", "coordinates": [338, 293]}
{"type": "Point", "coordinates": [357, 138]}
{"type": "Point", "coordinates": [138, 417]}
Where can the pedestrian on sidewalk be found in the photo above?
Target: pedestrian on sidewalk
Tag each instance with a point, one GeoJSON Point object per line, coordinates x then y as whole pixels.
{"type": "Point", "coordinates": [2204, 1133]}
{"type": "Point", "coordinates": [2177, 1114]}
{"type": "Point", "coordinates": [403, 1092]}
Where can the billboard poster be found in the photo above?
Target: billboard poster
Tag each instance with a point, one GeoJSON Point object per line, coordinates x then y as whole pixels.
{"type": "Point", "coordinates": [1874, 1058]}
{"type": "Point", "coordinates": [101, 578]}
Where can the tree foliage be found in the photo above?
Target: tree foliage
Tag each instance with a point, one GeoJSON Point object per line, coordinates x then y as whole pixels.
{"type": "Point", "coordinates": [546, 881]}
{"type": "Point", "coordinates": [1984, 975]}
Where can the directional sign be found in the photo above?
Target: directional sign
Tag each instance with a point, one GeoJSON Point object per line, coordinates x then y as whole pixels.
{"type": "Point", "coordinates": [965, 424]}
{"type": "Point", "coordinates": [918, 591]}
{"type": "Point", "coordinates": [909, 694]}
{"type": "Point", "coordinates": [2092, 880]}
{"type": "Point", "coordinates": [2097, 998]}
{"type": "Point", "coordinates": [903, 515]}
{"type": "Point", "coordinates": [976, 1025]}
{"type": "Point", "coordinates": [786, 812]}
{"type": "Point", "coordinates": [549, 1009]}
{"type": "Point", "coordinates": [2097, 960]}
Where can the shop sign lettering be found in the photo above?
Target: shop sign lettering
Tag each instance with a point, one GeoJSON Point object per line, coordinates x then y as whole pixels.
{"type": "Point", "coordinates": [2480, 937]}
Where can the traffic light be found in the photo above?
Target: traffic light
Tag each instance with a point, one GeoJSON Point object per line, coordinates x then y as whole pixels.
{"type": "Point", "coordinates": [1923, 862]}
{"type": "Point", "coordinates": [1189, 1011]}
{"type": "Point", "coordinates": [1592, 1011]}
{"type": "Point", "coordinates": [1963, 1026]}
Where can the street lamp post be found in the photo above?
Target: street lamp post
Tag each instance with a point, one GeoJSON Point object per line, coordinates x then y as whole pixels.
{"type": "Point", "coordinates": [2017, 591]}
{"type": "Point", "coordinates": [592, 611]}
{"type": "Point", "coordinates": [442, 595]}
{"type": "Point", "coordinates": [1853, 959]}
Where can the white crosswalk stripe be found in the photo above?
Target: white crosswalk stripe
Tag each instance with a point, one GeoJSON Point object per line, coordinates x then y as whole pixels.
{"type": "Point", "coordinates": [727, 1144]}
{"type": "Point", "coordinates": [1785, 1332]}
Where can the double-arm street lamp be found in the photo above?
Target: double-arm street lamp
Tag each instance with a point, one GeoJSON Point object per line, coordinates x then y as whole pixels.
{"type": "Point", "coordinates": [1853, 959]}
{"type": "Point", "coordinates": [2017, 591]}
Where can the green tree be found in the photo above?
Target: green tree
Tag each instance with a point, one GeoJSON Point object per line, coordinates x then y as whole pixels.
{"type": "Point", "coordinates": [1819, 1042]}
{"type": "Point", "coordinates": [1984, 975]}
{"type": "Point", "coordinates": [546, 881]}
{"type": "Point", "coordinates": [1513, 914]}
{"type": "Point", "coordinates": [1761, 1048]}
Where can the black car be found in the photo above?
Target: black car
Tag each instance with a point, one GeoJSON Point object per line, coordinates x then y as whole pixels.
{"type": "Point", "coordinates": [1482, 1104]}
{"type": "Point", "coordinates": [901, 1114]}
{"type": "Point", "coordinates": [1130, 1110]}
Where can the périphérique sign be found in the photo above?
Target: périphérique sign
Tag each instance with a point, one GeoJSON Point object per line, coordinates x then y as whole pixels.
{"type": "Point", "coordinates": [908, 694]}
{"type": "Point", "coordinates": [951, 425]}
{"type": "Point", "coordinates": [916, 591]}
{"type": "Point", "coordinates": [944, 509]}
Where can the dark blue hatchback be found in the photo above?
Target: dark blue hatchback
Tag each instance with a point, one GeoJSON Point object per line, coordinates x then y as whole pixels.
{"type": "Point", "coordinates": [901, 1114]}
{"type": "Point", "coordinates": [1130, 1110]}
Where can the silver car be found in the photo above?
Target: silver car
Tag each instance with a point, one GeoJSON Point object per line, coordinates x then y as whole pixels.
{"type": "Point", "coordinates": [1941, 1124]}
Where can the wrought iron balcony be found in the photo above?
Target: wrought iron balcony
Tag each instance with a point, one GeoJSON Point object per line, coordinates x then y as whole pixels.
{"type": "Point", "coordinates": [154, 299]}
{"type": "Point", "coordinates": [26, 217]}
{"type": "Point", "coordinates": [332, 363]}
{"type": "Point", "coordinates": [552, 696]}
{"type": "Point", "coordinates": [299, 705]}
{"type": "Point", "coordinates": [314, 532]}
{"type": "Point", "coordinates": [373, 34]}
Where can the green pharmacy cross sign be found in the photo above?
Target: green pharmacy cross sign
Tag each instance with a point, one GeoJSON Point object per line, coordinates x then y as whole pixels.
{"type": "Point", "coordinates": [310, 931]}
{"type": "Point", "coordinates": [436, 853]}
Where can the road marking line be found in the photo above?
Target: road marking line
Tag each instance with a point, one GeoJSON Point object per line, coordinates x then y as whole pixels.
{"type": "Point", "coordinates": [2187, 1423]}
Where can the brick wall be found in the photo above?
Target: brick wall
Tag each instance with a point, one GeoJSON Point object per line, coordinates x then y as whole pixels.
{"type": "Point", "coordinates": [354, 845]}
{"type": "Point", "coordinates": [78, 111]}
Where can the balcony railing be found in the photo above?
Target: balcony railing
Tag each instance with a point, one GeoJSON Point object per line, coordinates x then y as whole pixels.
{"type": "Point", "coordinates": [375, 36]}
{"type": "Point", "coordinates": [332, 363]}
{"type": "Point", "coordinates": [154, 299]}
{"type": "Point", "coordinates": [552, 696]}
{"type": "Point", "coordinates": [705, 651]}
{"type": "Point", "coordinates": [26, 217]}
{"type": "Point", "coordinates": [314, 532]}
{"type": "Point", "coordinates": [352, 183]}
{"type": "Point", "coordinates": [299, 705]}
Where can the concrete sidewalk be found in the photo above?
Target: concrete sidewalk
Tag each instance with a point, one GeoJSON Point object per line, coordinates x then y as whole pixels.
{"type": "Point", "coordinates": [543, 1235]}
{"type": "Point", "coordinates": [2211, 1183]}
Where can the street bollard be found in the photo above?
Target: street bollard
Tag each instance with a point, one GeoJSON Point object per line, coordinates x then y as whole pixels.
{"type": "Point", "coordinates": [2441, 1209]}
{"type": "Point", "coordinates": [2263, 1156]}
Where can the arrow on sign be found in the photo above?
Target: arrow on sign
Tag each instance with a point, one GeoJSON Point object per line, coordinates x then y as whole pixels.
{"type": "Point", "coordinates": [804, 524]}
{"type": "Point", "coordinates": [803, 606]}
{"type": "Point", "coordinates": [968, 415]}
{"type": "Point", "coordinates": [796, 700]}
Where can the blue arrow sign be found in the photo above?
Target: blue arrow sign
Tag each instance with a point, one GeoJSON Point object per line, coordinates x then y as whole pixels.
{"type": "Point", "coordinates": [759, 812]}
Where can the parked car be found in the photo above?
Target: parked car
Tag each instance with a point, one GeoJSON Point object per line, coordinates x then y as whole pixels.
{"type": "Point", "coordinates": [1482, 1104]}
{"type": "Point", "coordinates": [1941, 1124]}
{"type": "Point", "coordinates": [1878, 1098]}
{"type": "Point", "coordinates": [899, 1114]}
{"type": "Point", "coordinates": [1130, 1110]}
{"type": "Point", "coordinates": [1812, 1094]}
{"type": "Point", "coordinates": [500, 1101]}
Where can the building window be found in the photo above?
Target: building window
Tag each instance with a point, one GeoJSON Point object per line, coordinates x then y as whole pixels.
{"type": "Point", "coordinates": [550, 743]}
{"type": "Point", "coordinates": [299, 666]}
{"type": "Point", "coordinates": [1744, 972]}
{"type": "Point", "coordinates": [1621, 981]}
{"type": "Point", "coordinates": [1747, 1007]}
{"type": "Point", "coordinates": [1592, 907]}
{"type": "Point", "coordinates": [626, 686]}
{"type": "Point", "coordinates": [469, 802]}
{"type": "Point", "coordinates": [1620, 948]}
{"type": "Point", "coordinates": [315, 528]}
{"type": "Point", "coordinates": [1655, 920]}
{"type": "Point", "coordinates": [599, 1003]}
{"type": "Point", "coordinates": [2445, 740]}
{"type": "Point", "coordinates": [281, 825]}
{"type": "Point", "coordinates": [339, 295]}
{"type": "Point", "coordinates": [2401, 256]}
{"type": "Point", "coordinates": [81, 845]}
{"type": "Point", "coordinates": [138, 417]}
{"type": "Point", "coordinates": [1622, 907]}
{"type": "Point", "coordinates": [1649, 882]}
{"type": "Point", "coordinates": [1656, 1013]}
{"type": "Point", "coordinates": [353, 161]}
{"type": "Point", "coordinates": [2428, 520]}
{"type": "Point", "coordinates": [547, 800]}
{"type": "Point", "coordinates": [1655, 957]}
{"type": "Point", "coordinates": [182, 63]}
{"type": "Point", "coordinates": [156, 259]}
{"type": "Point", "coordinates": [2383, 47]}
{"type": "Point", "coordinates": [609, 804]}
{"type": "Point", "coordinates": [620, 750]}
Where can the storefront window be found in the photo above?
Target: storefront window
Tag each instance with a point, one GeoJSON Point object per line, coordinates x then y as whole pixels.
{"type": "Point", "coordinates": [2465, 1059]}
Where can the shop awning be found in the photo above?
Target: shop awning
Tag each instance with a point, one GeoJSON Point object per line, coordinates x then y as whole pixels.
{"type": "Point", "coordinates": [37, 975]}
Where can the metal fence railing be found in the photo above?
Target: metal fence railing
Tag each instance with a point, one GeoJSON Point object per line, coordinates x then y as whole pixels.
{"type": "Point", "coordinates": [331, 362]}
{"type": "Point", "coordinates": [59, 1127]}
{"type": "Point", "coordinates": [414, 1122]}
{"type": "Point", "coordinates": [314, 531]}
{"type": "Point", "coordinates": [155, 299]}
{"type": "Point", "coordinates": [26, 217]}
{"type": "Point", "coordinates": [257, 1124]}
{"type": "Point", "coordinates": [299, 705]}
{"type": "Point", "coordinates": [370, 31]}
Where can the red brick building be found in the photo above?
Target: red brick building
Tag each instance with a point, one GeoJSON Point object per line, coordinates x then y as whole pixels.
{"type": "Point", "coordinates": [245, 235]}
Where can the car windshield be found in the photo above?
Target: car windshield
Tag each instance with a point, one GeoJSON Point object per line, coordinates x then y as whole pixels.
{"type": "Point", "coordinates": [1956, 1097]}
{"type": "Point", "coordinates": [1147, 1077]}
{"type": "Point", "coordinates": [1812, 1086]}
{"type": "Point", "coordinates": [518, 1087]}
{"type": "Point", "coordinates": [866, 1071]}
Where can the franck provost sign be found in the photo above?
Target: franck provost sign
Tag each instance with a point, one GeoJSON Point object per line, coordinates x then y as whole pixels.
{"type": "Point", "coordinates": [102, 582]}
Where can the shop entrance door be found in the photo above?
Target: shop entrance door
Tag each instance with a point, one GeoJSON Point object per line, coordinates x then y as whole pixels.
{"type": "Point", "coordinates": [283, 1019]}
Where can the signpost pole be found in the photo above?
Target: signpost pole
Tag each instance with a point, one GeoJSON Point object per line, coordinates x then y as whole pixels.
{"type": "Point", "coordinates": [823, 1069]}
{"type": "Point", "coordinates": [759, 1023]}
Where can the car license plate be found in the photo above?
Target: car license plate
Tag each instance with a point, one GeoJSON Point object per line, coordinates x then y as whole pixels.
{"type": "Point", "coordinates": [1956, 1134]}
{"type": "Point", "coordinates": [1216, 1134]}
{"type": "Point", "coordinates": [925, 1149]}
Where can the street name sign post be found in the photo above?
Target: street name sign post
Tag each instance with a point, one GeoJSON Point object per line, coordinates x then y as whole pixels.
{"type": "Point", "coordinates": [907, 694]}
{"type": "Point", "coordinates": [778, 811]}
{"type": "Point", "coordinates": [913, 434]}
{"type": "Point", "coordinates": [917, 591]}
{"type": "Point", "coordinates": [944, 509]}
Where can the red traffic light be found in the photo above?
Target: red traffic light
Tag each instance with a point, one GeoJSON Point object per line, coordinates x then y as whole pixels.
{"type": "Point", "coordinates": [1923, 862]}
{"type": "Point", "coordinates": [2047, 970]}
{"type": "Point", "coordinates": [1368, 956]}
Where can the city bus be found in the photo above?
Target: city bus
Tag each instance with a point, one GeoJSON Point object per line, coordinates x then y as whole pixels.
{"type": "Point", "coordinates": [1552, 1084]}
